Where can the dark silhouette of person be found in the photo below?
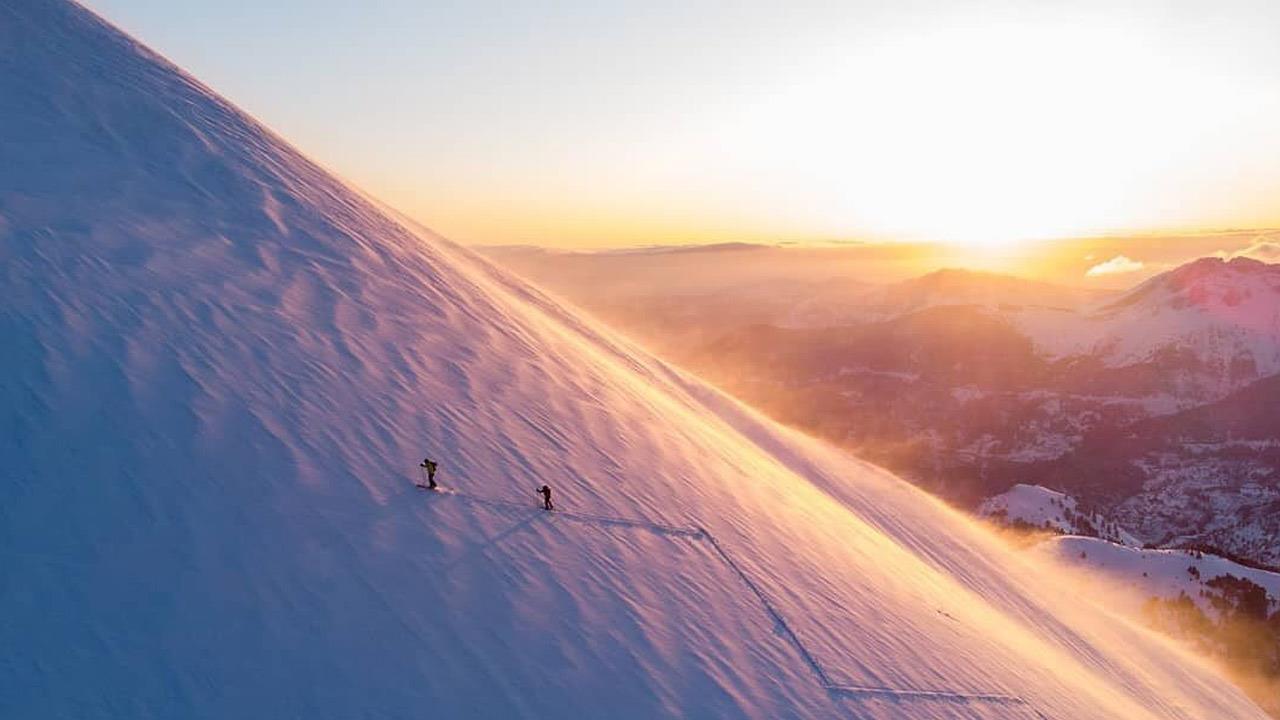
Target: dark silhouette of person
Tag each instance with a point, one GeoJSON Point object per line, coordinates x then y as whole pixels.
{"type": "Point", "coordinates": [430, 467]}
{"type": "Point", "coordinates": [545, 492]}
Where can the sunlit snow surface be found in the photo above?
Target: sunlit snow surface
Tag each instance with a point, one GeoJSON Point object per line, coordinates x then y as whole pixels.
{"type": "Point", "coordinates": [221, 366]}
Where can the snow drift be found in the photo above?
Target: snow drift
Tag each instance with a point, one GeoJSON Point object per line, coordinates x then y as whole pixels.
{"type": "Point", "coordinates": [220, 366]}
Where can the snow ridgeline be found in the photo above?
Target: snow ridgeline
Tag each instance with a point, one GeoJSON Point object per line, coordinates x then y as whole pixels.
{"type": "Point", "coordinates": [1113, 557]}
{"type": "Point", "coordinates": [1160, 573]}
{"type": "Point", "coordinates": [217, 358]}
{"type": "Point", "coordinates": [1035, 507]}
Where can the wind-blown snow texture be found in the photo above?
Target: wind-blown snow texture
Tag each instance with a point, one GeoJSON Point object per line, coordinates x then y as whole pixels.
{"type": "Point", "coordinates": [220, 366]}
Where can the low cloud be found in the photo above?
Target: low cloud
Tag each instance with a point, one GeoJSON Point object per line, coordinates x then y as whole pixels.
{"type": "Point", "coordinates": [1114, 266]}
{"type": "Point", "coordinates": [1265, 248]}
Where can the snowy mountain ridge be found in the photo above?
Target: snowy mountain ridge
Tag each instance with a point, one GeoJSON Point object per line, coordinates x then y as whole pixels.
{"type": "Point", "coordinates": [1091, 541]}
{"type": "Point", "coordinates": [1034, 506]}
{"type": "Point", "coordinates": [222, 365]}
{"type": "Point", "coordinates": [1155, 572]}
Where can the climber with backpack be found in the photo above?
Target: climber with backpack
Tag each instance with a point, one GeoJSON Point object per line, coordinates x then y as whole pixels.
{"type": "Point", "coordinates": [545, 492]}
{"type": "Point", "coordinates": [429, 469]}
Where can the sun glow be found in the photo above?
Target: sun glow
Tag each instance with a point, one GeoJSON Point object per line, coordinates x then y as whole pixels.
{"type": "Point", "coordinates": [992, 137]}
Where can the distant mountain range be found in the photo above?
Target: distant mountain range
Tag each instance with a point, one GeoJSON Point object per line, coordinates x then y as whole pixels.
{"type": "Point", "coordinates": [840, 305]}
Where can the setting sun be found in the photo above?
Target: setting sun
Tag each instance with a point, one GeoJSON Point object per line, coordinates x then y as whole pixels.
{"type": "Point", "coordinates": [995, 135]}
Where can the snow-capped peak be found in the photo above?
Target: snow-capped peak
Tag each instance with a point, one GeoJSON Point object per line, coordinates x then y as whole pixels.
{"type": "Point", "coordinates": [1211, 326]}
{"type": "Point", "coordinates": [1208, 285]}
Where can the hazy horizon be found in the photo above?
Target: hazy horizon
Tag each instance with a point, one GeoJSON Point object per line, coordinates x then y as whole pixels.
{"type": "Point", "coordinates": [1103, 262]}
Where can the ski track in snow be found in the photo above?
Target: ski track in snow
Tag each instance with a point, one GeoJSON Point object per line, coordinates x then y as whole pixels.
{"type": "Point", "coordinates": [700, 533]}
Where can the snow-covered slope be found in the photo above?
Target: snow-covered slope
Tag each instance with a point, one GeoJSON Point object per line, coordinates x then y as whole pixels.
{"type": "Point", "coordinates": [1049, 509]}
{"type": "Point", "coordinates": [1153, 572]}
{"type": "Point", "coordinates": [220, 366]}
